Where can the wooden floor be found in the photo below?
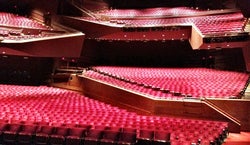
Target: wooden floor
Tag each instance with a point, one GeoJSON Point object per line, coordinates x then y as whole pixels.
{"type": "Point", "coordinates": [242, 138]}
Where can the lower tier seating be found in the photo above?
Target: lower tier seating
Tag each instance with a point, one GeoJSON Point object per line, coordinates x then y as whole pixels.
{"type": "Point", "coordinates": [41, 114]}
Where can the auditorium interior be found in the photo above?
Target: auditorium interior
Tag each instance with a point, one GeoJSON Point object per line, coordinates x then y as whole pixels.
{"type": "Point", "coordinates": [124, 72]}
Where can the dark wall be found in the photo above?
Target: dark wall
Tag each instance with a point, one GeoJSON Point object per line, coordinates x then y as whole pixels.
{"type": "Point", "coordinates": [244, 5]}
{"type": "Point", "coordinates": [224, 59]}
{"type": "Point", "coordinates": [159, 54]}
{"type": "Point", "coordinates": [24, 70]}
{"type": "Point", "coordinates": [15, 6]}
{"type": "Point", "coordinates": [215, 4]}
{"type": "Point", "coordinates": [142, 53]}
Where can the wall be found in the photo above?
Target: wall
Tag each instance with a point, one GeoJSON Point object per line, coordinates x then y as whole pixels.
{"type": "Point", "coordinates": [24, 70]}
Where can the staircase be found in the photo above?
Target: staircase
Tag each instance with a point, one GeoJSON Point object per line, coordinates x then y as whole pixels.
{"type": "Point", "coordinates": [247, 26]}
{"type": "Point", "coordinates": [246, 94]}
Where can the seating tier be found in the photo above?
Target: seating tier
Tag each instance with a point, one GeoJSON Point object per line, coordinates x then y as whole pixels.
{"type": "Point", "coordinates": [56, 107]}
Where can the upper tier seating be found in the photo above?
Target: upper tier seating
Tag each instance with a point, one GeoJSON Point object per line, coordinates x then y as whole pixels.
{"type": "Point", "coordinates": [161, 11]}
{"type": "Point", "coordinates": [173, 83]}
{"type": "Point", "coordinates": [11, 20]}
{"type": "Point", "coordinates": [18, 36]}
{"type": "Point", "coordinates": [46, 106]}
{"type": "Point", "coordinates": [18, 28]}
{"type": "Point", "coordinates": [208, 22]}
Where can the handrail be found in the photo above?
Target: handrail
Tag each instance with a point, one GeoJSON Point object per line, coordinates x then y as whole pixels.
{"type": "Point", "coordinates": [224, 113]}
{"type": "Point", "coordinates": [85, 11]}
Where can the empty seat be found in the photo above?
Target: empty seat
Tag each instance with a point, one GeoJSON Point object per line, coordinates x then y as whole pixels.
{"type": "Point", "coordinates": [42, 135]}
{"type": "Point", "coordinates": [93, 137]}
{"type": "Point", "coordinates": [26, 134]}
{"type": "Point", "coordinates": [58, 137]}
{"type": "Point", "coordinates": [10, 134]}
{"type": "Point", "coordinates": [161, 138]}
{"type": "Point", "coordinates": [117, 129]}
{"type": "Point", "coordinates": [127, 129]}
{"type": "Point", "coordinates": [87, 126]}
{"type": "Point", "coordinates": [100, 127]}
{"type": "Point", "coordinates": [127, 138]}
{"type": "Point", "coordinates": [3, 127]}
{"type": "Point", "coordinates": [109, 137]}
{"type": "Point", "coordinates": [145, 137]}
{"type": "Point", "coordinates": [75, 136]}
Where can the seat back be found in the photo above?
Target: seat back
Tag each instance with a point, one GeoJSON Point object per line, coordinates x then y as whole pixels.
{"type": "Point", "coordinates": [63, 131]}
{"type": "Point", "coordinates": [28, 128]}
{"type": "Point", "coordinates": [46, 129]}
{"type": "Point", "coordinates": [127, 137]}
{"type": "Point", "coordinates": [87, 126]}
{"type": "Point", "coordinates": [132, 130]}
{"type": "Point", "coordinates": [110, 135]}
{"type": "Point", "coordinates": [161, 138]}
{"type": "Point", "coordinates": [118, 129]}
{"type": "Point", "coordinates": [162, 135]}
{"type": "Point", "coordinates": [94, 133]}
{"type": "Point", "coordinates": [79, 132]}
{"type": "Point", "coordinates": [146, 134]}
{"type": "Point", "coordinates": [14, 127]}
{"type": "Point", "coordinates": [3, 126]}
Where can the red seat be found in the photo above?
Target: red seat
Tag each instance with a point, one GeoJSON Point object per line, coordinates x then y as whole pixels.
{"type": "Point", "coordinates": [10, 134]}
{"type": "Point", "coordinates": [93, 137]}
{"type": "Point", "coordinates": [42, 135]}
{"type": "Point", "coordinates": [3, 127]}
{"type": "Point", "coordinates": [75, 136]}
{"type": "Point", "coordinates": [127, 138]}
{"type": "Point", "coordinates": [145, 137]}
{"type": "Point", "coordinates": [109, 137]}
{"type": "Point", "coordinates": [129, 130]}
{"type": "Point", "coordinates": [161, 138]}
{"type": "Point", "coordinates": [26, 134]}
{"type": "Point", "coordinates": [58, 136]}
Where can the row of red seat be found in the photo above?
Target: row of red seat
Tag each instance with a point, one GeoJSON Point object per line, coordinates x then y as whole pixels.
{"type": "Point", "coordinates": [27, 37]}
{"type": "Point", "coordinates": [36, 133]}
{"type": "Point", "coordinates": [4, 33]}
{"type": "Point", "coordinates": [11, 20]}
{"type": "Point", "coordinates": [172, 82]}
{"type": "Point", "coordinates": [43, 132]}
{"type": "Point", "coordinates": [57, 107]}
{"type": "Point", "coordinates": [221, 23]}
{"type": "Point", "coordinates": [150, 12]}
{"type": "Point", "coordinates": [24, 134]}
{"type": "Point", "coordinates": [216, 23]}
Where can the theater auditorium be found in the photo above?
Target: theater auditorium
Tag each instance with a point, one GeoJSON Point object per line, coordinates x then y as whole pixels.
{"type": "Point", "coordinates": [124, 72]}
